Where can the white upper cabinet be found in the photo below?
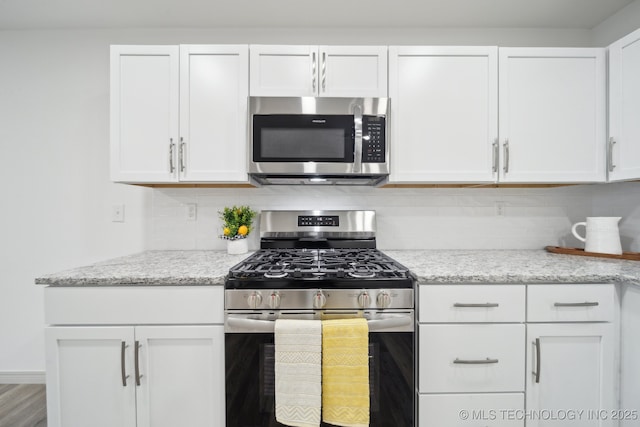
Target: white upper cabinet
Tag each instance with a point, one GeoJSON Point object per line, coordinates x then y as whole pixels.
{"type": "Point", "coordinates": [213, 113]}
{"type": "Point", "coordinates": [624, 108]}
{"type": "Point", "coordinates": [552, 115]}
{"type": "Point", "coordinates": [444, 107]}
{"type": "Point", "coordinates": [178, 113]}
{"type": "Point", "coordinates": [144, 113]}
{"type": "Point", "coordinates": [339, 71]}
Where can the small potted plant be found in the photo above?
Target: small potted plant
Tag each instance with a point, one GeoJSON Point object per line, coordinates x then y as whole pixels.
{"type": "Point", "coordinates": [236, 226]}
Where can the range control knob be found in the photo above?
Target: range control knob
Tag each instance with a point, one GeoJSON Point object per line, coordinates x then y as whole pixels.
{"type": "Point", "coordinates": [364, 300]}
{"type": "Point", "coordinates": [319, 300]}
{"type": "Point", "coordinates": [274, 300]}
{"type": "Point", "coordinates": [254, 300]}
{"type": "Point", "coordinates": [383, 300]}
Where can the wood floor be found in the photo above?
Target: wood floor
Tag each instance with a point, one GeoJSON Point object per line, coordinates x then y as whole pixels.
{"type": "Point", "coordinates": [23, 405]}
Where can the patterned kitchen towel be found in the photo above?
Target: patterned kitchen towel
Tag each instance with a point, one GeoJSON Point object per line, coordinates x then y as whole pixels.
{"type": "Point", "coordinates": [298, 370]}
{"type": "Point", "coordinates": [345, 372]}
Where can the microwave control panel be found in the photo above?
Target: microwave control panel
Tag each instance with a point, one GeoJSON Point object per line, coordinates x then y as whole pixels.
{"type": "Point", "coordinates": [373, 139]}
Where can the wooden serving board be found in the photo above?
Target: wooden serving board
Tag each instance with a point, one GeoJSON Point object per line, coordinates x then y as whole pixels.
{"type": "Point", "coordinates": [633, 256]}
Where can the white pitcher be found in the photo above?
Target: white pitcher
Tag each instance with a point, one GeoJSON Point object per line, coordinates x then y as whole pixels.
{"type": "Point", "coordinates": [602, 236]}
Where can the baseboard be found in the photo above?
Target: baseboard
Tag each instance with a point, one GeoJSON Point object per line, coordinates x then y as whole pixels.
{"type": "Point", "coordinates": [22, 377]}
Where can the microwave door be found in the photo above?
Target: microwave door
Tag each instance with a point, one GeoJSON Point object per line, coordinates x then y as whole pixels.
{"type": "Point", "coordinates": [296, 138]}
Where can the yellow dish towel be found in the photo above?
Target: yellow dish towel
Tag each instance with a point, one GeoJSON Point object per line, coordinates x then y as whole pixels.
{"type": "Point", "coordinates": [345, 372]}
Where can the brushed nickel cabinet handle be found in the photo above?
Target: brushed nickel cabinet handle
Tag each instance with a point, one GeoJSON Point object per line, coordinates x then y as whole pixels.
{"type": "Point", "coordinates": [486, 361]}
{"type": "Point", "coordinates": [137, 362]}
{"type": "Point", "coordinates": [612, 142]}
{"type": "Point", "coordinates": [536, 343]}
{"type": "Point", "coordinates": [171, 165]}
{"type": "Point", "coordinates": [182, 144]}
{"type": "Point", "coordinates": [576, 304]}
{"type": "Point", "coordinates": [123, 370]}
{"type": "Point", "coordinates": [482, 305]}
{"type": "Point", "coordinates": [505, 153]}
{"type": "Point", "coordinates": [324, 71]}
{"type": "Point", "coordinates": [313, 71]}
{"type": "Point", "coordinates": [495, 156]}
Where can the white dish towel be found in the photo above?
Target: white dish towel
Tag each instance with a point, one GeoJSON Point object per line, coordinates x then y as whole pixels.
{"type": "Point", "coordinates": [298, 370]}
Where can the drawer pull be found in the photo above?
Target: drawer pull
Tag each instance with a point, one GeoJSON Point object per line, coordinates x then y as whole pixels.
{"type": "Point", "coordinates": [576, 304]}
{"type": "Point", "coordinates": [486, 361]}
{"type": "Point", "coordinates": [483, 305]}
{"type": "Point", "coordinates": [137, 362]}
{"type": "Point", "coordinates": [123, 371]}
{"type": "Point", "coordinates": [536, 344]}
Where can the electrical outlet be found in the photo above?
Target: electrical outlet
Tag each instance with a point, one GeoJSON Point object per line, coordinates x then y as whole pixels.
{"type": "Point", "coordinates": [500, 208]}
{"type": "Point", "coordinates": [117, 213]}
{"type": "Point", "coordinates": [192, 211]}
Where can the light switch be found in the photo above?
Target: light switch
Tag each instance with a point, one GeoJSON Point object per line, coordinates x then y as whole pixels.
{"type": "Point", "coordinates": [192, 211]}
{"type": "Point", "coordinates": [117, 213]}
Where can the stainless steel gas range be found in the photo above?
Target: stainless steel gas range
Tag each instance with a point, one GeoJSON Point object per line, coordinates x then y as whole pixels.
{"type": "Point", "coordinates": [314, 264]}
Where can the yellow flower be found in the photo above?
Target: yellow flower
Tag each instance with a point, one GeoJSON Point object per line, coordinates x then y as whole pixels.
{"type": "Point", "coordinates": [243, 230]}
{"type": "Point", "coordinates": [226, 231]}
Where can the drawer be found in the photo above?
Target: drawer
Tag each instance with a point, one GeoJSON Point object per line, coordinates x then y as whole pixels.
{"type": "Point", "coordinates": [471, 410]}
{"type": "Point", "coordinates": [133, 305]}
{"type": "Point", "coordinates": [571, 303]}
{"type": "Point", "coordinates": [471, 358]}
{"type": "Point", "coordinates": [471, 303]}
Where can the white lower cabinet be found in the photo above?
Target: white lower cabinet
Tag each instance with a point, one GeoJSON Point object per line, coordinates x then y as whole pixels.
{"type": "Point", "coordinates": [135, 376]}
{"type": "Point", "coordinates": [571, 375]}
{"type": "Point", "coordinates": [471, 355]}
{"type": "Point", "coordinates": [572, 365]}
{"type": "Point", "coordinates": [483, 364]}
{"type": "Point", "coordinates": [84, 377]}
{"type": "Point", "coordinates": [471, 410]}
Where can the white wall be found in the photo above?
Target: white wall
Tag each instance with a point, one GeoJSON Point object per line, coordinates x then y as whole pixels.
{"type": "Point", "coordinates": [54, 178]}
{"type": "Point", "coordinates": [57, 195]}
{"type": "Point", "coordinates": [623, 200]}
{"type": "Point", "coordinates": [423, 218]}
{"type": "Point", "coordinates": [618, 25]}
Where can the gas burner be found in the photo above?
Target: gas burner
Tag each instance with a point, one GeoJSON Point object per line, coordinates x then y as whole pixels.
{"type": "Point", "coordinates": [279, 268]}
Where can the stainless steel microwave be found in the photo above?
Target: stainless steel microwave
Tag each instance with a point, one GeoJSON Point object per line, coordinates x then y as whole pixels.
{"type": "Point", "coordinates": [308, 140]}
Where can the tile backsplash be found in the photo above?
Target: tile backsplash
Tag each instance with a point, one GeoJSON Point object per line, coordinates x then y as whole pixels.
{"type": "Point", "coordinates": [420, 218]}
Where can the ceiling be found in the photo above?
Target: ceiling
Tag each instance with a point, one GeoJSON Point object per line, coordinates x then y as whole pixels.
{"type": "Point", "coordinates": [565, 14]}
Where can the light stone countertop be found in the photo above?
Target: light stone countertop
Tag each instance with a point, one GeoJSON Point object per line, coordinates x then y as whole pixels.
{"type": "Point", "coordinates": [155, 268]}
{"type": "Point", "coordinates": [158, 268]}
{"type": "Point", "coordinates": [514, 266]}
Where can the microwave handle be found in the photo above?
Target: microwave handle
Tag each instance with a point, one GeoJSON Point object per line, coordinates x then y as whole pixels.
{"type": "Point", "coordinates": [357, 125]}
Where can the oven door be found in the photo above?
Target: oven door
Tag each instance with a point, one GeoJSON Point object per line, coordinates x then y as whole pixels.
{"type": "Point", "coordinates": [250, 377]}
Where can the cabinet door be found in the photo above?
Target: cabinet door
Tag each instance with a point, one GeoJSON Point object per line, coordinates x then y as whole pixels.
{"type": "Point", "coordinates": [353, 71]}
{"type": "Point", "coordinates": [283, 70]}
{"type": "Point", "coordinates": [552, 115]}
{"type": "Point", "coordinates": [571, 367]}
{"type": "Point", "coordinates": [214, 86]}
{"type": "Point", "coordinates": [444, 109]}
{"type": "Point", "coordinates": [624, 108]}
{"type": "Point", "coordinates": [85, 384]}
{"type": "Point", "coordinates": [144, 113]}
{"type": "Point", "coordinates": [182, 381]}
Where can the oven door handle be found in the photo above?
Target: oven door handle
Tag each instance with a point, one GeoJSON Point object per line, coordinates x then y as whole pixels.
{"type": "Point", "coordinates": [397, 322]}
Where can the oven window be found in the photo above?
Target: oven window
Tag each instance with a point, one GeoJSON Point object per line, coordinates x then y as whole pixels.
{"type": "Point", "coordinates": [302, 138]}
{"type": "Point", "coordinates": [250, 380]}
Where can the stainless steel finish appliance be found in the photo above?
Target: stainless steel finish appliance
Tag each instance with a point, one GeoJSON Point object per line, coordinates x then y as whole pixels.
{"type": "Point", "coordinates": [313, 265]}
{"type": "Point", "coordinates": [309, 140]}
